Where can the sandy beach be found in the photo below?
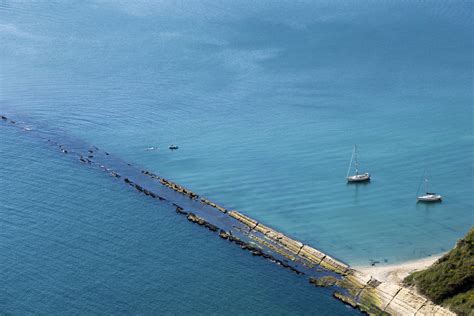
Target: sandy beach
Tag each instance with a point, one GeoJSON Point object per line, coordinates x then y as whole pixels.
{"type": "Point", "coordinates": [395, 273]}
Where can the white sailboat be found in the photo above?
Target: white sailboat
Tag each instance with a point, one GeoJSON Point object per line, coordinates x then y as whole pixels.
{"type": "Point", "coordinates": [428, 196]}
{"type": "Point", "coordinates": [364, 177]}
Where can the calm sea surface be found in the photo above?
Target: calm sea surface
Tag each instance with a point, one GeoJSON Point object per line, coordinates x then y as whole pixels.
{"type": "Point", "coordinates": [265, 100]}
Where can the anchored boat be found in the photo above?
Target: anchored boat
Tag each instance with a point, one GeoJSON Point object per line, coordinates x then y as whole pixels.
{"type": "Point", "coordinates": [173, 147]}
{"type": "Point", "coordinates": [364, 177]}
{"type": "Point", "coordinates": [428, 196]}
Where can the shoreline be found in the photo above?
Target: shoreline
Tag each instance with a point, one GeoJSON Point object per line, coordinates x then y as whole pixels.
{"type": "Point", "coordinates": [395, 273]}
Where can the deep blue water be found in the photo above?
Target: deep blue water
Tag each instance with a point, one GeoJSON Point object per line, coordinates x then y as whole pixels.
{"type": "Point", "coordinates": [265, 101]}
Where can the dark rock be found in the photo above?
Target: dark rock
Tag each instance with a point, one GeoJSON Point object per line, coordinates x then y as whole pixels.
{"type": "Point", "coordinates": [295, 270]}
{"type": "Point", "coordinates": [345, 299]}
{"type": "Point", "coordinates": [256, 252]}
{"type": "Point", "coordinates": [283, 264]}
{"type": "Point", "coordinates": [238, 241]}
{"type": "Point", "coordinates": [325, 281]}
{"type": "Point", "coordinates": [180, 210]}
{"type": "Point", "coordinates": [192, 217]}
{"type": "Point", "coordinates": [212, 227]}
{"type": "Point", "coordinates": [223, 234]}
{"type": "Point", "coordinates": [374, 283]}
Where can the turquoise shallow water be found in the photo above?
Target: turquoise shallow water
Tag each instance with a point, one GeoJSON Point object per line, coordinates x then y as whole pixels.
{"type": "Point", "coordinates": [78, 242]}
{"type": "Point", "coordinates": [265, 101]}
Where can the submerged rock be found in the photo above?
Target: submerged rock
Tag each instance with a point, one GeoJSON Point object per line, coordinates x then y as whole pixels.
{"type": "Point", "coordinates": [180, 210]}
{"type": "Point", "coordinates": [200, 221]}
{"type": "Point", "coordinates": [192, 217]}
{"type": "Point", "coordinates": [115, 174]}
{"type": "Point", "coordinates": [325, 281]}
{"type": "Point", "coordinates": [211, 227]}
{"type": "Point", "coordinates": [345, 299]}
{"type": "Point", "coordinates": [223, 234]}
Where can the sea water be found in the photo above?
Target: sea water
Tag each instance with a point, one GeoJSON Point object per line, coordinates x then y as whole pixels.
{"type": "Point", "coordinates": [265, 101]}
{"type": "Point", "coordinates": [74, 241]}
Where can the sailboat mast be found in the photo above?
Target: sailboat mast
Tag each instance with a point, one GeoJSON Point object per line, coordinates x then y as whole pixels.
{"type": "Point", "coordinates": [423, 177]}
{"type": "Point", "coordinates": [350, 163]}
{"type": "Point", "coordinates": [356, 160]}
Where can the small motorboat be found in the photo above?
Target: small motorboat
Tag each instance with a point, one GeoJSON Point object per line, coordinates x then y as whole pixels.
{"type": "Point", "coordinates": [173, 147]}
{"type": "Point", "coordinates": [364, 177]}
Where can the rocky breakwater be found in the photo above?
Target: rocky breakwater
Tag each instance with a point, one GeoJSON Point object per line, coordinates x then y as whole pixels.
{"type": "Point", "coordinates": [383, 298]}
{"type": "Point", "coordinates": [297, 252]}
{"type": "Point", "coordinates": [353, 287]}
{"type": "Point", "coordinates": [350, 286]}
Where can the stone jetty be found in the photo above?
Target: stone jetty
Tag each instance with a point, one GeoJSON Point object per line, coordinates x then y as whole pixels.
{"type": "Point", "coordinates": [354, 288]}
{"type": "Point", "coordinates": [350, 286]}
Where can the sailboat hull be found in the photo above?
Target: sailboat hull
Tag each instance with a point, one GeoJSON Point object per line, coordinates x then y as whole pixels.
{"type": "Point", "coordinates": [429, 198]}
{"type": "Point", "coordinates": [359, 178]}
